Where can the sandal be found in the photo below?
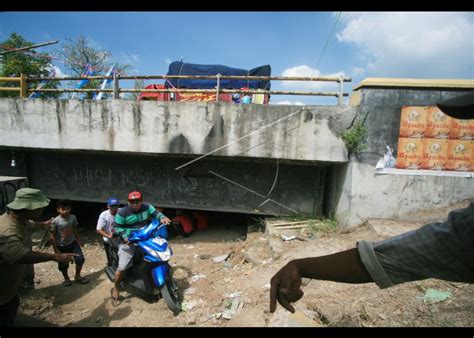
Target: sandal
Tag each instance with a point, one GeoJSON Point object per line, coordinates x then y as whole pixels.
{"type": "Point", "coordinates": [115, 300]}
{"type": "Point", "coordinates": [82, 280]}
{"type": "Point", "coordinates": [67, 283]}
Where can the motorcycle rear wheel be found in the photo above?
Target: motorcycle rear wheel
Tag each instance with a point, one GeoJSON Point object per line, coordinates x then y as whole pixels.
{"type": "Point", "coordinates": [169, 291]}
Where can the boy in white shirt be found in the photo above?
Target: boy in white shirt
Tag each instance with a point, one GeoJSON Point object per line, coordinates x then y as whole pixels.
{"type": "Point", "coordinates": [105, 225]}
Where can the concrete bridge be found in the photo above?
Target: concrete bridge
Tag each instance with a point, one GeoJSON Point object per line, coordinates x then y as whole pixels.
{"type": "Point", "coordinates": [245, 158]}
{"type": "Point", "coordinates": [257, 159]}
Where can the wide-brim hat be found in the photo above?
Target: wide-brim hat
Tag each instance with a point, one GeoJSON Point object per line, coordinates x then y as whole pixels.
{"type": "Point", "coordinates": [28, 198]}
{"type": "Point", "coordinates": [460, 107]}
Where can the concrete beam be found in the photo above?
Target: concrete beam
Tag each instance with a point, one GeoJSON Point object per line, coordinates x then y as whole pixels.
{"type": "Point", "coordinates": [265, 131]}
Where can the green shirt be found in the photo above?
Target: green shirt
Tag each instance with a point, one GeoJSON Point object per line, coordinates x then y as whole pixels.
{"type": "Point", "coordinates": [126, 220]}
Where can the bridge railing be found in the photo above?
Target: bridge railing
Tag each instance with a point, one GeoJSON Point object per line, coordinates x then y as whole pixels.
{"type": "Point", "coordinates": [24, 91]}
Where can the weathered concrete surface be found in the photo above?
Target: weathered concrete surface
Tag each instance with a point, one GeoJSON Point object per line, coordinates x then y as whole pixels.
{"type": "Point", "coordinates": [381, 110]}
{"type": "Point", "coordinates": [357, 194]}
{"type": "Point", "coordinates": [218, 184]}
{"type": "Point", "coordinates": [312, 134]}
{"type": "Point", "coordinates": [367, 195]}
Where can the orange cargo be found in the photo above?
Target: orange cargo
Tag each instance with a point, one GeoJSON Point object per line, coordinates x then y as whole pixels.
{"type": "Point", "coordinates": [434, 154]}
{"type": "Point", "coordinates": [413, 122]}
{"type": "Point", "coordinates": [438, 124]}
{"type": "Point", "coordinates": [461, 129]}
{"type": "Point", "coordinates": [410, 153]}
{"type": "Point", "coordinates": [460, 154]}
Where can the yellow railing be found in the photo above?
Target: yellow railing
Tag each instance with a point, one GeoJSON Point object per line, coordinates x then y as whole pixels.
{"type": "Point", "coordinates": [22, 89]}
{"type": "Point", "coordinates": [25, 91]}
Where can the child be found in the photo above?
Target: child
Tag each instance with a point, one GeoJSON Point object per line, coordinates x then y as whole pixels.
{"type": "Point", "coordinates": [66, 240]}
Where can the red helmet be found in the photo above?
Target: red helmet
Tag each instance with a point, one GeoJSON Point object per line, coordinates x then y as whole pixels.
{"type": "Point", "coordinates": [134, 195]}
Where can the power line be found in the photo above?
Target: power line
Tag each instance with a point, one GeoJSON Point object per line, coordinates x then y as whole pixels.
{"type": "Point", "coordinates": [329, 37]}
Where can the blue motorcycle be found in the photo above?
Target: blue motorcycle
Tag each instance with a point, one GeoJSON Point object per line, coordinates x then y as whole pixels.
{"type": "Point", "coordinates": [150, 273]}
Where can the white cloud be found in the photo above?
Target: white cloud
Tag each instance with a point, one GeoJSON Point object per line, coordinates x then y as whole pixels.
{"type": "Point", "coordinates": [356, 71]}
{"type": "Point", "coordinates": [306, 71]}
{"type": "Point", "coordinates": [289, 103]}
{"type": "Point", "coordinates": [59, 72]}
{"type": "Point", "coordinates": [412, 44]}
{"type": "Point", "coordinates": [168, 61]}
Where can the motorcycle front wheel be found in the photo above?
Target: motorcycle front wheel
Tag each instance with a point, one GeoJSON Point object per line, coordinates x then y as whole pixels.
{"type": "Point", "coordinates": [169, 291]}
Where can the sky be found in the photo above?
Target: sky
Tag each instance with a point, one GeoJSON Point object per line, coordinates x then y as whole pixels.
{"type": "Point", "coordinates": [358, 45]}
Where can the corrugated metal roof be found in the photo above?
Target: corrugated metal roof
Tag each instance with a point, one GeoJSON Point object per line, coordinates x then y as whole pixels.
{"type": "Point", "coordinates": [422, 83]}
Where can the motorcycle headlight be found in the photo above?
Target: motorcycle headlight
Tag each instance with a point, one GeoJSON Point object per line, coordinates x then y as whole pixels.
{"type": "Point", "coordinates": [165, 255]}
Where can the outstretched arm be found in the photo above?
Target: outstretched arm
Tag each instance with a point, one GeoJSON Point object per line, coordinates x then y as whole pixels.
{"type": "Point", "coordinates": [33, 257]}
{"type": "Point", "coordinates": [344, 266]}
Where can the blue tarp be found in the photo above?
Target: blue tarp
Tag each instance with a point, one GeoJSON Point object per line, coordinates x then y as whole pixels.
{"type": "Point", "coordinates": [181, 68]}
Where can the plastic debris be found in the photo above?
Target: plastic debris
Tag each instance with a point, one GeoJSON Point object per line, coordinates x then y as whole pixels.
{"type": "Point", "coordinates": [232, 310]}
{"type": "Point", "coordinates": [221, 258]}
{"type": "Point", "coordinates": [388, 161]}
{"type": "Point", "coordinates": [435, 296]}
{"type": "Point", "coordinates": [198, 277]}
{"type": "Point", "coordinates": [287, 238]}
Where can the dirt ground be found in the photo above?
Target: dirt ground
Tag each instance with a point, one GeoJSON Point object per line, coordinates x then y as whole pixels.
{"type": "Point", "coordinates": [235, 292]}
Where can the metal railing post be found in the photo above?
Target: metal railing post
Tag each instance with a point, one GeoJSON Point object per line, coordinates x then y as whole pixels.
{"type": "Point", "coordinates": [218, 86]}
{"type": "Point", "coordinates": [116, 93]}
{"type": "Point", "coordinates": [340, 99]}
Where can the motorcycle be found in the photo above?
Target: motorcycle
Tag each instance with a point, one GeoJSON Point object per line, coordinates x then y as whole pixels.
{"type": "Point", "coordinates": [150, 273]}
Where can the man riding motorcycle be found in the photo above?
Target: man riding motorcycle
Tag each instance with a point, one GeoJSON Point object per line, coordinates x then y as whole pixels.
{"type": "Point", "coordinates": [133, 216]}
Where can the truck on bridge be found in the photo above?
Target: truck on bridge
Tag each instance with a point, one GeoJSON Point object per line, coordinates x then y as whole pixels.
{"type": "Point", "coordinates": [190, 69]}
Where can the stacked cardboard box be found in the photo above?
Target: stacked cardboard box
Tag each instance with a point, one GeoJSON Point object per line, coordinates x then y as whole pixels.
{"type": "Point", "coordinates": [429, 139]}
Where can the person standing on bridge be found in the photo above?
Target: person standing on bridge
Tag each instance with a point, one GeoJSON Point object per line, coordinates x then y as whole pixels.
{"type": "Point", "coordinates": [16, 227]}
{"type": "Point", "coordinates": [131, 217]}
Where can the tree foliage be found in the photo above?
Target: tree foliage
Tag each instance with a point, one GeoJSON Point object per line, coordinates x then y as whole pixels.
{"type": "Point", "coordinates": [79, 53]}
{"type": "Point", "coordinates": [29, 62]}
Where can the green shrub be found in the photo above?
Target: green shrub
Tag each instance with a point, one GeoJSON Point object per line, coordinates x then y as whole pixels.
{"type": "Point", "coordinates": [354, 137]}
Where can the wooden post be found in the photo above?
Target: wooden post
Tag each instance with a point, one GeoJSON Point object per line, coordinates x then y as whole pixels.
{"type": "Point", "coordinates": [116, 87]}
{"type": "Point", "coordinates": [23, 86]}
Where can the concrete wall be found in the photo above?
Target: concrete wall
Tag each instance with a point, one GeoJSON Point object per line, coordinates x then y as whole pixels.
{"type": "Point", "coordinates": [233, 185]}
{"type": "Point", "coordinates": [360, 194]}
{"type": "Point", "coordinates": [381, 110]}
{"type": "Point", "coordinates": [313, 134]}
{"type": "Point", "coordinates": [366, 195]}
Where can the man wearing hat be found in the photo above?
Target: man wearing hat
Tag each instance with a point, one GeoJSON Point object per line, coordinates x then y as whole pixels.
{"type": "Point", "coordinates": [15, 254]}
{"type": "Point", "coordinates": [443, 250]}
{"type": "Point", "coordinates": [106, 224]}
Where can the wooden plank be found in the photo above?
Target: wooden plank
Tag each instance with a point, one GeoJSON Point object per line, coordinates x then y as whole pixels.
{"type": "Point", "coordinates": [290, 223]}
{"type": "Point", "coordinates": [290, 227]}
{"type": "Point", "coordinates": [9, 79]}
{"type": "Point", "coordinates": [10, 89]}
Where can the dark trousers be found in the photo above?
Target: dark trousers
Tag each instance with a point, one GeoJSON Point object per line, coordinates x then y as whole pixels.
{"type": "Point", "coordinates": [8, 312]}
{"type": "Point", "coordinates": [71, 248]}
{"type": "Point", "coordinates": [108, 254]}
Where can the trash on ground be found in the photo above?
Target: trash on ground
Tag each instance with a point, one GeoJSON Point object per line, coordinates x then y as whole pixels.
{"type": "Point", "coordinates": [434, 296]}
{"type": "Point", "coordinates": [232, 309]}
{"type": "Point", "coordinates": [195, 278]}
{"type": "Point", "coordinates": [221, 258]}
